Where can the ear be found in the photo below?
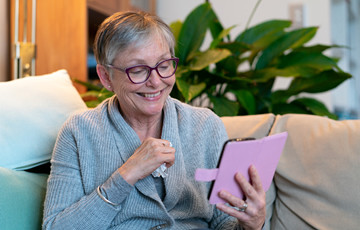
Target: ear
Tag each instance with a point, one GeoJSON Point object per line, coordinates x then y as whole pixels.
{"type": "Point", "coordinates": [104, 77]}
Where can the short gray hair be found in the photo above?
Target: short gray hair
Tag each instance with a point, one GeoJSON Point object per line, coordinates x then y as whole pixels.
{"type": "Point", "coordinates": [123, 29]}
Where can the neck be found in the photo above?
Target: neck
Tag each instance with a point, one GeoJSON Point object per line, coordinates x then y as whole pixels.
{"type": "Point", "coordinates": [145, 126]}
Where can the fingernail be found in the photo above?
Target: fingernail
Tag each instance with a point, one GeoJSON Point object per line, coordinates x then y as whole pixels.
{"type": "Point", "coordinates": [221, 193]}
{"type": "Point", "coordinates": [239, 175]}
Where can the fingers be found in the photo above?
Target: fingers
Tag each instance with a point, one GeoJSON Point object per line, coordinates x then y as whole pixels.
{"type": "Point", "coordinates": [163, 152]}
{"type": "Point", "coordinates": [250, 190]}
{"type": "Point", "coordinates": [155, 152]}
{"type": "Point", "coordinates": [251, 210]}
{"type": "Point", "coordinates": [158, 145]}
{"type": "Point", "coordinates": [236, 204]}
{"type": "Point", "coordinates": [150, 155]}
{"type": "Point", "coordinates": [255, 179]}
{"type": "Point", "coordinates": [231, 211]}
{"type": "Point", "coordinates": [165, 143]}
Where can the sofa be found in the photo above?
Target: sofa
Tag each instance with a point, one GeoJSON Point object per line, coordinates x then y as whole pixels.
{"type": "Point", "coordinates": [316, 184]}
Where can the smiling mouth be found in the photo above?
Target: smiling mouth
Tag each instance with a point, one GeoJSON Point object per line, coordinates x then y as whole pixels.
{"type": "Point", "coordinates": [150, 95]}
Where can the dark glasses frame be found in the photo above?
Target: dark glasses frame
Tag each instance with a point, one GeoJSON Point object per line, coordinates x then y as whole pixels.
{"type": "Point", "coordinates": [127, 70]}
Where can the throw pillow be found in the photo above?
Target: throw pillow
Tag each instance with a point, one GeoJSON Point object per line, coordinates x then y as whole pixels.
{"type": "Point", "coordinates": [32, 110]}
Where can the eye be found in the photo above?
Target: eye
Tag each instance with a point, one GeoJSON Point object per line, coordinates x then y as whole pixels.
{"type": "Point", "coordinates": [139, 70]}
{"type": "Point", "coordinates": [165, 65]}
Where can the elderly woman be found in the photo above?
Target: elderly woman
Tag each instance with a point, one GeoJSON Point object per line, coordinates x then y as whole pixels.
{"type": "Point", "coordinates": [130, 162]}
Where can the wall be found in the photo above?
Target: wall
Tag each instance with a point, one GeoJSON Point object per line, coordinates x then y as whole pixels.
{"type": "Point", "coordinates": [4, 40]}
{"type": "Point", "coordinates": [237, 12]}
{"type": "Point", "coordinates": [345, 22]}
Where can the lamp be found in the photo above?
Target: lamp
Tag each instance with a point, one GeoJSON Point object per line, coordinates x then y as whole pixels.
{"type": "Point", "coordinates": [23, 51]}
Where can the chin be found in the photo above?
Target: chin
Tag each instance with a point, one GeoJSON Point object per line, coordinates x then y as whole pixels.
{"type": "Point", "coordinates": [152, 111]}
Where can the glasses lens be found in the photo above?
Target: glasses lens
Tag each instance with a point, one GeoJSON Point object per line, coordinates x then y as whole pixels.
{"type": "Point", "coordinates": [166, 68]}
{"type": "Point", "coordinates": [138, 73]}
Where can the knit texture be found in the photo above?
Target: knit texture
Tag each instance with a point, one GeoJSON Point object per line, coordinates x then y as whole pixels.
{"type": "Point", "coordinates": [91, 146]}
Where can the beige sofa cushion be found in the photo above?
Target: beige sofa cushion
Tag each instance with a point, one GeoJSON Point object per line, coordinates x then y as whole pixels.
{"type": "Point", "coordinates": [257, 126]}
{"type": "Point", "coordinates": [318, 176]}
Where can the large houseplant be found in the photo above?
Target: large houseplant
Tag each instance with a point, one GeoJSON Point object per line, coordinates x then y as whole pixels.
{"type": "Point", "coordinates": [236, 76]}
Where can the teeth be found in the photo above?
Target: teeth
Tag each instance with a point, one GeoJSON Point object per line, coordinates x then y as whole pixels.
{"type": "Point", "coordinates": [151, 95]}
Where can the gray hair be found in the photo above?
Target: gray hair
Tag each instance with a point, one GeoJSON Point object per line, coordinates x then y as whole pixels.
{"type": "Point", "coordinates": [123, 29]}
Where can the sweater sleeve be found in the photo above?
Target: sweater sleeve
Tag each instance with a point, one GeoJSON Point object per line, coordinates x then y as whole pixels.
{"type": "Point", "coordinates": [66, 204]}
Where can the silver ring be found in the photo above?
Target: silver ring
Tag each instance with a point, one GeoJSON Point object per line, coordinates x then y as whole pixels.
{"type": "Point", "coordinates": [243, 207]}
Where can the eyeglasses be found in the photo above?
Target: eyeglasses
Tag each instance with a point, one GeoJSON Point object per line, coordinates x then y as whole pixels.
{"type": "Point", "coordinates": [140, 73]}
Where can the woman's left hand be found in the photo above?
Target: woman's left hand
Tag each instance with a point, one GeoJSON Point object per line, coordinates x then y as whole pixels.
{"type": "Point", "coordinates": [250, 212]}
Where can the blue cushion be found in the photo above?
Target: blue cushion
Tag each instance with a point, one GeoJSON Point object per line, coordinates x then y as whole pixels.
{"type": "Point", "coordinates": [21, 199]}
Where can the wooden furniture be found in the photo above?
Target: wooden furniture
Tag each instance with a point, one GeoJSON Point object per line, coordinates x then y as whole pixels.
{"type": "Point", "coordinates": [64, 36]}
{"type": "Point", "coordinates": [109, 7]}
{"type": "Point", "coordinates": [61, 37]}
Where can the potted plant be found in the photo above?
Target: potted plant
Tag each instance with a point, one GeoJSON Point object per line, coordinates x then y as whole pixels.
{"type": "Point", "coordinates": [236, 76]}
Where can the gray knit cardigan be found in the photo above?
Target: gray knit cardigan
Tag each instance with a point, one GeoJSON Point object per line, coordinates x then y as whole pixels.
{"type": "Point", "coordinates": [91, 146]}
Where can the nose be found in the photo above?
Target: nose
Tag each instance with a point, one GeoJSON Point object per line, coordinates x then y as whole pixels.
{"type": "Point", "coordinates": [154, 79]}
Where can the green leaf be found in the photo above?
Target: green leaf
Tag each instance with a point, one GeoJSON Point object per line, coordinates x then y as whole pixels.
{"type": "Point", "coordinates": [315, 106]}
{"type": "Point", "coordinates": [93, 103]}
{"type": "Point", "coordinates": [91, 93]}
{"type": "Point", "coordinates": [262, 31]}
{"type": "Point", "coordinates": [262, 75]}
{"type": "Point", "coordinates": [236, 48]}
{"type": "Point", "coordinates": [93, 98]}
{"type": "Point", "coordinates": [220, 37]}
{"type": "Point", "coordinates": [204, 59]}
{"type": "Point", "coordinates": [290, 40]}
{"type": "Point", "coordinates": [228, 67]}
{"type": "Point", "coordinates": [284, 108]}
{"type": "Point", "coordinates": [189, 91]}
{"type": "Point", "coordinates": [305, 64]}
{"type": "Point", "coordinates": [215, 25]}
{"type": "Point", "coordinates": [303, 60]}
{"type": "Point", "coordinates": [104, 94]}
{"type": "Point", "coordinates": [193, 31]}
{"type": "Point", "coordinates": [246, 99]}
{"type": "Point", "coordinates": [280, 96]}
{"type": "Point", "coordinates": [223, 106]}
{"type": "Point", "coordinates": [176, 28]}
{"type": "Point", "coordinates": [89, 85]}
{"type": "Point", "coordinates": [182, 72]}
{"type": "Point", "coordinates": [265, 75]}
{"type": "Point", "coordinates": [321, 82]}
{"type": "Point", "coordinates": [319, 48]}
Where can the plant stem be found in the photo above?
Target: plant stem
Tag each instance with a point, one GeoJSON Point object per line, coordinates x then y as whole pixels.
{"type": "Point", "coordinates": [252, 14]}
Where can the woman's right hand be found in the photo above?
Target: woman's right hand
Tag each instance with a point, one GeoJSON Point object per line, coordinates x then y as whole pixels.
{"type": "Point", "coordinates": [146, 159]}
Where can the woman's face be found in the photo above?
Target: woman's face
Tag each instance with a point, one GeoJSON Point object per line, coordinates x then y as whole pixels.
{"type": "Point", "coordinates": [146, 99]}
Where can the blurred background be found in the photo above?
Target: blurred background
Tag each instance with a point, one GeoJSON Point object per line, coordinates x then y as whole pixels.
{"type": "Point", "coordinates": [338, 22]}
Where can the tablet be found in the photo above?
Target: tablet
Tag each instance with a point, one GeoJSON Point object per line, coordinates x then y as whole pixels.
{"type": "Point", "coordinates": [237, 156]}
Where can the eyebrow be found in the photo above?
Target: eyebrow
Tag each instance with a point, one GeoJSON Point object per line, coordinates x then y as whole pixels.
{"type": "Point", "coordinates": [142, 61]}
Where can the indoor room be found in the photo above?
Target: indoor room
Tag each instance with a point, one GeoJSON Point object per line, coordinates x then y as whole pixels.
{"type": "Point", "coordinates": [165, 114]}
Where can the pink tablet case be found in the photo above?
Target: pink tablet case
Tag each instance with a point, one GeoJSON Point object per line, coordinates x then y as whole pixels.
{"type": "Point", "coordinates": [237, 156]}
